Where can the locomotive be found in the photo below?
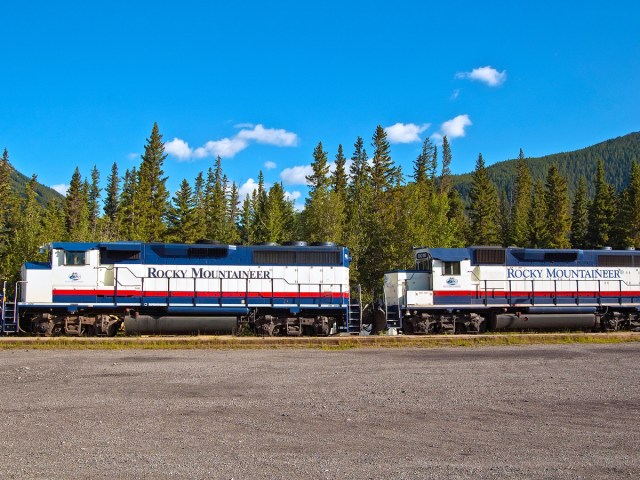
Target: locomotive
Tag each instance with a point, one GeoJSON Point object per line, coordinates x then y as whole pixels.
{"type": "Point", "coordinates": [95, 288]}
{"type": "Point", "coordinates": [481, 289]}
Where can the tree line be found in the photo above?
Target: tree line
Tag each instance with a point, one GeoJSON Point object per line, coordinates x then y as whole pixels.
{"type": "Point", "coordinates": [366, 204]}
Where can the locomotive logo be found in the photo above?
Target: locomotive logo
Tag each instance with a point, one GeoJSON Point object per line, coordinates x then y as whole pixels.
{"type": "Point", "coordinates": [74, 277]}
{"type": "Point", "coordinates": [452, 282]}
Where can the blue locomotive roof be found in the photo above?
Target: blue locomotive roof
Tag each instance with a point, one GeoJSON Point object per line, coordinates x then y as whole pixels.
{"type": "Point", "coordinates": [211, 254]}
{"type": "Point", "coordinates": [513, 256]}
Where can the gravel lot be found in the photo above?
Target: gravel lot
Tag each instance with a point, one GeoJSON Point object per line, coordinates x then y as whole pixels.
{"type": "Point", "coordinates": [495, 412]}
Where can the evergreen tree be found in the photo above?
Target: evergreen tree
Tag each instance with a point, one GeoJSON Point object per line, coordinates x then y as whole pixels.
{"type": "Point", "coordinates": [538, 218]}
{"type": "Point", "coordinates": [199, 208]}
{"type": "Point", "coordinates": [445, 176]}
{"type": "Point", "coordinates": [216, 202]}
{"type": "Point", "coordinates": [234, 236]}
{"type": "Point", "coordinates": [8, 216]}
{"type": "Point", "coordinates": [111, 204]}
{"type": "Point", "coordinates": [382, 251]}
{"type": "Point", "coordinates": [519, 235]}
{"type": "Point", "coordinates": [632, 207]}
{"type": "Point", "coordinates": [53, 226]}
{"type": "Point", "coordinates": [602, 212]}
{"type": "Point", "coordinates": [93, 200]}
{"type": "Point", "coordinates": [77, 209]}
{"type": "Point", "coordinates": [359, 209]}
{"type": "Point", "coordinates": [127, 215]}
{"type": "Point", "coordinates": [504, 218]}
{"type": "Point", "coordinates": [580, 216]}
{"type": "Point", "coordinates": [322, 216]}
{"type": "Point", "coordinates": [247, 234]}
{"type": "Point", "coordinates": [483, 210]}
{"type": "Point", "coordinates": [152, 195]}
{"type": "Point", "coordinates": [421, 163]}
{"type": "Point", "coordinates": [339, 176]}
{"type": "Point", "coordinates": [259, 232]}
{"type": "Point", "coordinates": [557, 201]}
{"type": "Point", "coordinates": [458, 220]}
{"type": "Point", "coordinates": [180, 216]}
{"type": "Point", "coordinates": [26, 242]}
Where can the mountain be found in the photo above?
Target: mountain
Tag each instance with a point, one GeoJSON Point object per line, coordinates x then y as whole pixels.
{"type": "Point", "coordinates": [617, 155]}
{"type": "Point", "coordinates": [44, 193]}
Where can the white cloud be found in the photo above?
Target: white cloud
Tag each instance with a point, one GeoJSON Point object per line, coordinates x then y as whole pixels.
{"type": "Point", "coordinates": [455, 94]}
{"type": "Point", "coordinates": [487, 75]}
{"type": "Point", "coordinates": [61, 188]}
{"type": "Point", "coordinates": [178, 148]}
{"type": "Point", "coordinates": [296, 175]}
{"type": "Point", "coordinates": [133, 156]}
{"type": "Point", "coordinates": [269, 165]}
{"type": "Point", "coordinates": [225, 148]}
{"type": "Point", "coordinates": [405, 132]}
{"type": "Point", "coordinates": [243, 125]}
{"type": "Point", "coordinates": [270, 136]}
{"type": "Point", "coordinates": [295, 195]}
{"type": "Point", "coordinates": [229, 147]}
{"type": "Point", "coordinates": [247, 188]}
{"type": "Point", "coordinates": [456, 126]}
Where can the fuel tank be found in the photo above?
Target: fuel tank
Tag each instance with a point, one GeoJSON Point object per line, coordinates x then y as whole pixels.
{"type": "Point", "coordinates": [545, 321]}
{"type": "Point", "coordinates": [178, 325]}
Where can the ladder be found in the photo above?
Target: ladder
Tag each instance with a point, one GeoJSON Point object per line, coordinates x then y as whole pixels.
{"type": "Point", "coordinates": [9, 312]}
{"type": "Point", "coordinates": [354, 322]}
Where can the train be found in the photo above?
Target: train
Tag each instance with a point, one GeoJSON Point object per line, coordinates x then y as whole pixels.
{"type": "Point", "coordinates": [102, 288]}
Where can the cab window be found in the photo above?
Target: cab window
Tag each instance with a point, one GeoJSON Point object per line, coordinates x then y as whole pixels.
{"type": "Point", "coordinates": [451, 268]}
{"type": "Point", "coordinates": [74, 258]}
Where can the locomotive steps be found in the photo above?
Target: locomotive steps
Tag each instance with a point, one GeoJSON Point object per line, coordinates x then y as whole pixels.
{"type": "Point", "coordinates": [228, 342]}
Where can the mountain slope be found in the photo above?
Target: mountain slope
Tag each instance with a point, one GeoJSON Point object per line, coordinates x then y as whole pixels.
{"type": "Point", "coordinates": [617, 155]}
{"type": "Point", "coordinates": [44, 193]}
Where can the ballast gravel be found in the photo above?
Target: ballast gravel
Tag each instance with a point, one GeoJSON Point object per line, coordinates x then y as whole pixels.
{"type": "Point", "coordinates": [566, 412]}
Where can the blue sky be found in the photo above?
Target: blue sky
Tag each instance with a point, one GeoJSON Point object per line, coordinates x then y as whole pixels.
{"type": "Point", "coordinates": [260, 83]}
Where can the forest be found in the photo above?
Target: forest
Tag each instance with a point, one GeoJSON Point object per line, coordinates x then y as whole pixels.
{"type": "Point", "coordinates": [367, 204]}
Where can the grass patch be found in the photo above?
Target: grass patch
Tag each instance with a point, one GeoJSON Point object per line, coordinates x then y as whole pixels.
{"type": "Point", "coordinates": [320, 343]}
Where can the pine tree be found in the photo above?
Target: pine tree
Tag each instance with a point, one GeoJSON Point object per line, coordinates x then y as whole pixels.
{"type": "Point", "coordinates": [77, 209]}
{"type": "Point", "coordinates": [180, 216]}
{"type": "Point", "coordinates": [53, 226]}
{"type": "Point", "coordinates": [216, 200]}
{"type": "Point", "coordinates": [8, 216]}
{"type": "Point", "coordinates": [633, 206]}
{"type": "Point", "coordinates": [382, 250]}
{"type": "Point", "coordinates": [538, 218]}
{"type": "Point", "coordinates": [519, 234]}
{"type": "Point", "coordinates": [461, 230]}
{"type": "Point", "coordinates": [127, 215]}
{"type": "Point", "coordinates": [200, 208]}
{"type": "Point", "coordinates": [339, 176]}
{"type": "Point", "coordinates": [580, 216]}
{"type": "Point", "coordinates": [557, 201]}
{"type": "Point", "coordinates": [152, 195]}
{"type": "Point", "coordinates": [504, 219]}
{"type": "Point", "coordinates": [420, 164]}
{"type": "Point", "coordinates": [246, 222]}
{"type": "Point", "coordinates": [322, 216]}
{"type": "Point", "coordinates": [111, 204]}
{"type": "Point", "coordinates": [234, 236]}
{"type": "Point", "coordinates": [602, 212]}
{"type": "Point", "coordinates": [359, 209]}
{"type": "Point", "coordinates": [26, 242]}
{"type": "Point", "coordinates": [259, 232]}
{"type": "Point", "coordinates": [483, 210]}
{"type": "Point", "coordinates": [445, 176]}
{"type": "Point", "coordinates": [93, 201]}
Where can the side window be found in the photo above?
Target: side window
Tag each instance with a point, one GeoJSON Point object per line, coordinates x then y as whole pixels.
{"type": "Point", "coordinates": [451, 268]}
{"type": "Point", "coordinates": [74, 258]}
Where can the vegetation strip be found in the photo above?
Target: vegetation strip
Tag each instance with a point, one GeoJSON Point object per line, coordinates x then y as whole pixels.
{"type": "Point", "coordinates": [321, 343]}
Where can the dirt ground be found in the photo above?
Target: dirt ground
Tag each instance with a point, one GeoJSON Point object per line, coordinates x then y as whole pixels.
{"type": "Point", "coordinates": [567, 411]}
